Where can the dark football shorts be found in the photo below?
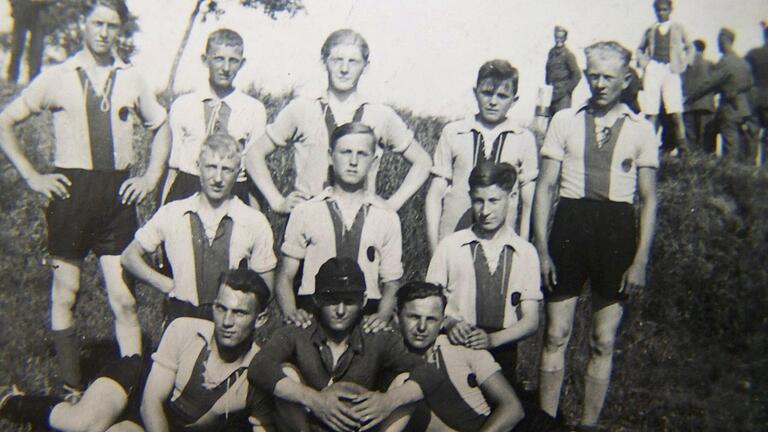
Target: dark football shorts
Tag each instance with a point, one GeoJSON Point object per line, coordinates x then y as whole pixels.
{"type": "Point", "coordinates": [592, 240]}
{"type": "Point", "coordinates": [92, 218]}
{"type": "Point", "coordinates": [130, 373]}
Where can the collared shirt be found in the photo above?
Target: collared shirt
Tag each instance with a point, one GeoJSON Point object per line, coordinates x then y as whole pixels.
{"type": "Point", "coordinates": [59, 90]}
{"type": "Point", "coordinates": [561, 72]}
{"type": "Point", "coordinates": [467, 369]}
{"type": "Point", "coordinates": [182, 344]}
{"type": "Point", "coordinates": [245, 120]}
{"type": "Point", "coordinates": [310, 235]}
{"type": "Point", "coordinates": [453, 267]}
{"type": "Point", "coordinates": [636, 147]}
{"type": "Point", "coordinates": [171, 226]}
{"type": "Point", "coordinates": [302, 123]}
{"type": "Point", "coordinates": [368, 356]}
{"type": "Point", "coordinates": [456, 155]}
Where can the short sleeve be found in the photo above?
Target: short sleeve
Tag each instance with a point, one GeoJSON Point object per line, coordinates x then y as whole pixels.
{"type": "Point", "coordinates": [176, 122]}
{"type": "Point", "coordinates": [437, 273]}
{"type": "Point", "coordinates": [285, 129]}
{"type": "Point", "coordinates": [531, 284]}
{"type": "Point", "coordinates": [171, 345]}
{"type": "Point", "coordinates": [648, 146]}
{"type": "Point", "coordinates": [152, 113]}
{"type": "Point", "coordinates": [295, 239]}
{"type": "Point", "coordinates": [37, 97]}
{"type": "Point", "coordinates": [529, 166]}
{"type": "Point", "coordinates": [262, 253]}
{"type": "Point", "coordinates": [554, 141]}
{"type": "Point", "coordinates": [258, 120]}
{"type": "Point", "coordinates": [391, 267]}
{"type": "Point", "coordinates": [153, 233]}
{"type": "Point", "coordinates": [392, 130]}
{"type": "Point", "coordinates": [442, 161]}
{"type": "Point", "coordinates": [482, 364]}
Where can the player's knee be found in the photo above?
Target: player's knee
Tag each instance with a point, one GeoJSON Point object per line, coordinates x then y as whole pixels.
{"type": "Point", "coordinates": [601, 343]}
{"type": "Point", "coordinates": [123, 305]}
{"type": "Point", "coordinates": [557, 337]}
{"type": "Point", "coordinates": [63, 295]}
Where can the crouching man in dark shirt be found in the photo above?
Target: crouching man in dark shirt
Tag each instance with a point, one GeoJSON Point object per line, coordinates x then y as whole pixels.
{"type": "Point", "coordinates": [325, 376]}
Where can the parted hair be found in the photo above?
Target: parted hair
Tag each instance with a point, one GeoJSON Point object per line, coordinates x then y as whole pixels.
{"type": "Point", "coordinates": [418, 290]}
{"type": "Point", "coordinates": [248, 281]}
{"type": "Point", "coordinates": [224, 37]}
{"type": "Point", "coordinates": [608, 49]}
{"type": "Point", "coordinates": [351, 128]}
{"type": "Point", "coordinates": [498, 70]}
{"type": "Point", "coordinates": [487, 174]}
{"type": "Point", "coordinates": [343, 37]}
{"type": "Point", "coordinates": [118, 6]}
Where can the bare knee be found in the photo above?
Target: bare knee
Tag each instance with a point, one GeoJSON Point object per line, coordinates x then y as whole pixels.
{"type": "Point", "coordinates": [557, 336]}
{"type": "Point", "coordinates": [64, 293]}
{"type": "Point", "coordinates": [123, 305]}
{"type": "Point", "coordinates": [601, 343]}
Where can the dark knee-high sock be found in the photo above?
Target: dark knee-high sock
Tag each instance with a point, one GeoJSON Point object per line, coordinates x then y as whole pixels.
{"type": "Point", "coordinates": [31, 409]}
{"type": "Point", "coordinates": [68, 356]}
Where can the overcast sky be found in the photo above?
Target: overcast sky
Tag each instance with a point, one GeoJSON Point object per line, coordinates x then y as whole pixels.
{"type": "Point", "coordinates": [424, 53]}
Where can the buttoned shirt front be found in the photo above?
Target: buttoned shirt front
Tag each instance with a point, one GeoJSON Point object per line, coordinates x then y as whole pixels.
{"type": "Point", "coordinates": [59, 90]}
{"type": "Point", "coordinates": [453, 266]}
{"type": "Point", "coordinates": [456, 155]}
{"type": "Point", "coordinates": [310, 235]}
{"type": "Point", "coordinates": [302, 123]}
{"type": "Point", "coordinates": [636, 147]}
{"type": "Point", "coordinates": [368, 357]}
{"type": "Point", "coordinates": [170, 226]}
{"type": "Point", "coordinates": [246, 122]}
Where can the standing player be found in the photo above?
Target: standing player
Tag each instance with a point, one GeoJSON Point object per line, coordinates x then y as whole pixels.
{"type": "Point", "coordinates": [95, 99]}
{"type": "Point", "coordinates": [487, 136]}
{"type": "Point", "coordinates": [198, 379]}
{"type": "Point", "coordinates": [562, 72]}
{"type": "Point", "coordinates": [758, 60]}
{"type": "Point", "coordinates": [204, 235]}
{"type": "Point", "coordinates": [307, 124]}
{"type": "Point", "coordinates": [489, 273]}
{"type": "Point", "coordinates": [664, 53]}
{"type": "Point", "coordinates": [218, 108]}
{"type": "Point", "coordinates": [599, 154]}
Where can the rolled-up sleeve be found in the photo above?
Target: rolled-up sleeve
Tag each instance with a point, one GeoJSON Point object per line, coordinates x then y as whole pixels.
{"type": "Point", "coordinates": [295, 239]}
{"type": "Point", "coordinates": [152, 234]}
{"type": "Point", "coordinates": [37, 97]}
{"type": "Point", "coordinates": [284, 129]}
{"type": "Point", "coordinates": [529, 166]}
{"type": "Point", "coordinates": [152, 113]}
{"type": "Point", "coordinates": [554, 142]}
{"type": "Point", "coordinates": [396, 135]}
{"type": "Point", "coordinates": [442, 161]}
{"type": "Point", "coordinates": [263, 257]}
{"type": "Point", "coordinates": [648, 143]}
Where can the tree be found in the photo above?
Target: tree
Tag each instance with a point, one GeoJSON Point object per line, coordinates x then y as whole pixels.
{"type": "Point", "coordinates": [212, 7]}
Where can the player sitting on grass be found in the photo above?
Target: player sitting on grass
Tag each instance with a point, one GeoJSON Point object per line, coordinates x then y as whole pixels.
{"type": "Point", "coordinates": [488, 136]}
{"type": "Point", "coordinates": [334, 366]}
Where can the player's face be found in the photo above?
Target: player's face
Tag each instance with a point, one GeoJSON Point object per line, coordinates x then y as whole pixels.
{"type": "Point", "coordinates": [420, 322]}
{"type": "Point", "coordinates": [338, 314]}
{"type": "Point", "coordinates": [494, 101]}
{"type": "Point", "coordinates": [489, 207]}
{"type": "Point", "coordinates": [234, 314]}
{"type": "Point", "coordinates": [560, 38]}
{"type": "Point", "coordinates": [345, 65]}
{"type": "Point", "coordinates": [607, 78]}
{"type": "Point", "coordinates": [352, 158]}
{"type": "Point", "coordinates": [662, 12]}
{"type": "Point", "coordinates": [102, 27]}
{"type": "Point", "coordinates": [217, 175]}
{"type": "Point", "coordinates": [223, 62]}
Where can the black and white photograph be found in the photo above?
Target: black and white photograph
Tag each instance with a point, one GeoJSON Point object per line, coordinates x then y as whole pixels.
{"type": "Point", "coordinates": [366, 215]}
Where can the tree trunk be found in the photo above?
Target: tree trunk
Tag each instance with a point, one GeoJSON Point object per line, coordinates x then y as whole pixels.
{"type": "Point", "coordinates": [168, 93]}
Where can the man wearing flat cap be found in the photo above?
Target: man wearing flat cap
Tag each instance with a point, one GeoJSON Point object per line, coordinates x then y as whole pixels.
{"type": "Point", "coordinates": [562, 72]}
{"type": "Point", "coordinates": [325, 376]}
{"type": "Point", "coordinates": [732, 78]}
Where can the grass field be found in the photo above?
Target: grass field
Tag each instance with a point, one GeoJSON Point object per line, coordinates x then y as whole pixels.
{"type": "Point", "coordinates": [692, 350]}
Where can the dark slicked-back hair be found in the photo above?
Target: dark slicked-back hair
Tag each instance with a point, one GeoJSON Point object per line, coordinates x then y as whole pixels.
{"type": "Point", "coordinates": [418, 290]}
{"type": "Point", "coordinates": [498, 71]}
{"type": "Point", "coordinates": [224, 37]}
{"type": "Point", "coordinates": [658, 3]}
{"type": "Point", "coordinates": [487, 174]}
{"type": "Point", "coordinates": [700, 45]}
{"type": "Point", "coordinates": [118, 6]}
{"type": "Point", "coordinates": [352, 128]}
{"type": "Point", "coordinates": [344, 37]}
{"type": "Point", "coordinates": [248, 281]}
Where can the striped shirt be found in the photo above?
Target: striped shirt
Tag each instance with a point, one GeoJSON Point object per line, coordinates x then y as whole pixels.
{"type": "Point", "coordinates": [61, 90]}
{"type": "Point", "coordinates": [600, 164]}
